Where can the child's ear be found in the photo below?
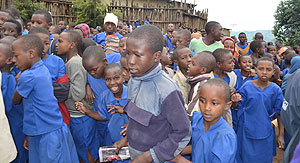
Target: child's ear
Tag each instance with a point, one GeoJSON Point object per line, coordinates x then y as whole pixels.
{"type": "Point", "coordinates": [73, 45]}
{"type": "Point", "coordinates": [175, 62]}
{"type": "Point", "coordinates": [105, 61]}
{"type": "Point", "coordinates": [203, 70]}
{"type": "Point", "coordinates": [31, 53]}
{"type": "Point", "coordinates": [228, 105]}
{"type": "Point", "coordinates": [49, 24]}
{"type": "Point", "coordinates": [9, 61]}
{"type": "Point", "coordinates": [157, 56]}
{"type": "Point", "coordinates": [218, 64]}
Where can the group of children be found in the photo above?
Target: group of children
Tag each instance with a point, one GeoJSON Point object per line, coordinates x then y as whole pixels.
{"type": "Point", "coordinates": [177, 100]}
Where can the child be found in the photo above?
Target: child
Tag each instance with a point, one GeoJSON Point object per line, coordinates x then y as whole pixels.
{"type": "Point", "coordinates": [261, 99]}
{"type": "Point", "coordinates": [224, 70]}
{"type": "Point", "coordinates": [123, 60]}
{"type": "Point", "coordinates": [258, 48]}
{"type": "Point", "coordinates": [49, 138]}
{"type": "Point", "coordinates": [165, 61]}
{"type": "Point", "coordinates": [183, 38]}
{"type": "Point", "coordinates": [81, 126]}
{"type": "Point", "coordinates": [211, 42]}
{"type": "Point", "coordinates": [287, 62]}
{"type": "Point", "coordinates": [111, 103]}
{"type": "Point", "coordinates": [182, 58]}
{"type": "Point", "coordinates": [199, 71]}
{"type": "Point", "coordinates": [229, 45]}
{"type": "Point", "coordinates": [11, 27]}
{"type": "Point", "coordinates": [62, 26]}
{"type": "Point", "coordinates": [296, 48]}
{"type": "Point", "coordinates": [158, 126]}
{"type": "Point", "coordinates": [276, 76]}
{"type": "Point", "coordinates": [213, 140]}
{"type": "Point", "coordinates": [4, 15]}
{"type": "Point", "coordinates": [55, 31]}
{"type": "Point", "coordinates": [13, 112]}
{"type": "Point", "coordinates": [243, 47]}
{"type": "Point", "coordinates": [245, 73]}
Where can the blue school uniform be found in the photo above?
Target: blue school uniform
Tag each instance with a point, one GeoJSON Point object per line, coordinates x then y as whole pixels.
{"type": "Point", "coordinates": [227, 80]}
{"type": "Point", "coordinates": [285, 71]}
{"type": "Point", "coordinates": [255, 133]}
{"type": "Point", "coordinates": [101, 37]}
{"type": "Point", "coordinates": [98, 86]}
{"type": "Point", "coordinates": [113, 58]}
{"type": "Point", "coordinates": [241, 79]}
{"type": "Point", "coordinates": [218, 144]}
{"type": "Point", "coordinates": [49, 137]}
{"type": "Point", "coordinates": [15, 70]}
{"type": "Point", "coordinates": [56, 67]}
{"type": "Point", "coordinates": [169, 43]}
{"type": "Point", "coordinates": [14, 115]}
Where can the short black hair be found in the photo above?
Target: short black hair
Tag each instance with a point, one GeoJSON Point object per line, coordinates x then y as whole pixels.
{"type": "Point", "coordinates": [112, 66]}
{"type": "Point", "coordinates": [65, 23]}
{"type": "Point", "coordinates": [256, 44]}
{"type": "Point", "coordinates": [9, 13]}
{"type": "Point", "coordinates": [31, 41]}
{"type": "Point", "coordinates": [7, 40]}
{"type": "Point", "coordinates": [185, 33]}
{"type": "Point", "coordinates": [257, 34]}
{"type": "Point", "coordinates": [151, 35]}
{"type": "Point", "coordinates": [46, 13]}
{"type": "Point", "coordinates": [56, 28]}
{"type": "Point", "coordinates": [242, 33]}
{"type": "Point", "coordinates": [86, 42]}
{"type": "Point", "coordinates": [206, 59]}
{"type": "Point", "coordinates": [265, 59]}
{"type": "Point", "coordinates": [219, 54]}
{"type": "Point", "coordinates": [175, 53]}
{"type": "Point", "coordinates": [288, 58]}
{"type": "Point", "coordinates": [14, 21]}
{"type": "Point", "coordinates": [15, 12]}
{"type": "Point", "coordinates": [75, 37]}
{"type": "Point", "coordinates": [211, 25]}
{"type": "Point", "coordinates": [219, 83]}
{"type": "Point", "coordinates": [269, 55]}
{"type": "Point", "coordinates": [270, 46]}
{"type": "Point", "coordinates": [92, 53]}
{"type": "Point", "coordinates": [35, 30]}
{"type": "Point", "coordinates": [242, 56]}
{"type": "Point", "coordinates": [6, 48]}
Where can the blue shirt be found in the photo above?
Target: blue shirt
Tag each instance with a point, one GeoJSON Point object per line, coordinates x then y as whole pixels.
{"type": "Point", "coordinates": [56, 67]}
{"type": "Point", "coordinates": [101, 37]}
{"type": "Point", "coordinates": [113, 58]}
{"type": "Point", "coordinates": [147, 22]}
{"type": "Point", "coordinates": [227, 80]}
{"type": "Point", "coordinates": [169, 43]}
{"type": "Point", "coordinates": [241, 79]}
{"type": "Point", "coordinates": [41, 112]}
{"type": "Point", "coordinates": [116, 120]}
{"type": "Point", "coordinates": [218, 144]}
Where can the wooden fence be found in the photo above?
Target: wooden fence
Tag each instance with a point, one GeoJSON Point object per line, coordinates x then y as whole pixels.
{"type": "Point", "coordinates": [161, 16]}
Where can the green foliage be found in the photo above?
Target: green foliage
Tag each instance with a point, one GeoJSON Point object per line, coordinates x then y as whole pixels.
{"type": "Point", "coordinates": [91, 12]}
{"type": "Point", "coordinates": [287, 22]}
{"type": "Point", "coordinates": [27, 8]}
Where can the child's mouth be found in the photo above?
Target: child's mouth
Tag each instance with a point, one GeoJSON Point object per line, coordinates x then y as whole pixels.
{"type": "Point", "coordinates": [114, 89]}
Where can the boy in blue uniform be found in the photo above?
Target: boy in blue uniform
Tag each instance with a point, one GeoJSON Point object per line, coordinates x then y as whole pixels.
{"type": "Point", "coordinates": [82, 127]}
{"type": "Point", "coordinates": [261, 99]}
{"type": "Point", "coordinates": [13, 112]}
{"type": "Point", "coordinates": [158, 127]}
{"type": "Point", "coordinates": [213, 140]}
{"type": "Point", "coordinates": [49, 138]}
{"type": "Point", "coordinates": [245, 73]}
{"type": "Point", "coordinates": [11, 27]}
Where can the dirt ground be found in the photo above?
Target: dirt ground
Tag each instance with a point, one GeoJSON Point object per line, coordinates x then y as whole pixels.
{"type": "Point", "coordinates": [279, 157]}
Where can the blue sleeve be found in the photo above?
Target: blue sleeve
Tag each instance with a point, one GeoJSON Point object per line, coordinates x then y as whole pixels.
{"type": "Point", "coordinates": [279, 101]}
{"type": "Point", "coordinates": [25, 84]}
{"type": "Point", "coordinates": [242, 92]}
{"type": "Point", "coordinates": [61, 68]}
{"type": "Point", "coordinates": [102, 109]}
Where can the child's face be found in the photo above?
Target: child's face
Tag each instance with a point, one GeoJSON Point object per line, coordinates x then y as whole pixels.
{"type": "Point", "coordinates": [63, 45]}
{"type": "Point", "coordinates": [123, 45]}
{"type": "Point", "coordinates": [181, 41]}
{"type": "Point", "coordinates": [165, 58]}
{"type": "Point", "coordinates": [114, 80]}
{"type": "Point", "coordinates": [61, 25]}
{"type": "Point", "coordinates": [3, 59]}
{"type": "Point", "coordinates": [140, 59]}
{"type": "Point", "coordinates": [262, 49]}
{"type": "Point", "coordinates": [39, 20]}
{"type": "Point", "coordinates": [45, 38]}
{"type": "Point", "coordinates": [246, 63]}
{"type": "Point", "coordinates": [195, 68]}
{"type": "Point", "coordinates": [228, 64]}
{"type": "Point", "coordinates": [125, 72]}
{"type": "Point", "coordinates": [242, 38]}
{"type": "Point", "coordinates": [184, 58]}
{"type": "Point", "coordinates": [229, 45]}
{"type": "Point", "coordinates": [3, 16]}
{"type": "Point", "coordinates": [212, 103]}
{"type": "Point", "coordinates": [9, 29]}
{"type": "Point", "coordinates": [95, 67]}
{"type": "Point", "coordinates": [276, 75]}
{"type": "Point", "coordinates": [264, 70]}
{"type": "Point", "coordinates": [110, 28]}
{"type": "Point", "coordinates": [272, 50]}
{"type": "Point", "coordinates": [174, 33]}
{"type": "Point", "coordinates": [21, 57]}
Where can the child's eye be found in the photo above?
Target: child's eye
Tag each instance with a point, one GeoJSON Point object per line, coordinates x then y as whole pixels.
{"type": "Point", "coordinates": [116, 78]}
{"type": "Point", "coordinates": [202, 101]}
{"type": "Point", "coordinates": [214, 103]}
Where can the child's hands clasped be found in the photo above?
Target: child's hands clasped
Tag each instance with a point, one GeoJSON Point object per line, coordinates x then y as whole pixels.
{"type": "Point", "coordinates": [80, 107]}
{"type": "Point", "coordinates": [236, 97]}
{"type": "Point", "coordinates": [115, 109]}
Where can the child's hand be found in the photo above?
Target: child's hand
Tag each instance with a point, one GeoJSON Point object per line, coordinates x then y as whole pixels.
{"type": "Point", "coordinates": [280, 141]}
{"type": "Point", "coordinates": [232, 91]}
{"type": "Point", "coordinates": [180, 159]}
{"type": "Point", "coordinates": [17, 76]}
{"type": "Point", "coordinates": [143, 158]}
{"type": "Point", "coordinates": [236, 97]}
{"type": "Point", "coordinates": [251, 74]}
{"type": "Point", "coordinates": [89, 94]}
{"type": "Point", "coordinates": [115, 109]}
{"type": "Point", "coordinates": [25, 145]}
{"type": "Point", "coordinates": [80, 107]}
{"type": "Point", "coordinates": [121, 143]}
{"type": "Point", "coordinates": [124, 131]}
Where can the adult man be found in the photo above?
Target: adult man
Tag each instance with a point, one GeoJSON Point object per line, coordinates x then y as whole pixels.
{"type": "Point", "coordinates": [168, 36]}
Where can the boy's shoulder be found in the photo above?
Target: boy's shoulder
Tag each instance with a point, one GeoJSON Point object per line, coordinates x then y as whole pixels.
{"type": "Point", "coordinates": [54, 58]}
{"type": "Point", "coordinates": [165, 83]}
{"type": "Point", "coordinates": [75, 60]}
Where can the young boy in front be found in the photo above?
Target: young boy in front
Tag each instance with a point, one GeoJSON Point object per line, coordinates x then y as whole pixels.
{"type": "Point", "coordinates": [182, 58]}
{"type": "Point", "coordinates": [158, 127]}
{"type": "Point", "coordinates": [49, 138]}
{"type": "Point", "coordinates": [213, 140]}
{"type": "Point", "coordinates": [199, 71]}
{"type": "Point", "coordinates": [82, 127]}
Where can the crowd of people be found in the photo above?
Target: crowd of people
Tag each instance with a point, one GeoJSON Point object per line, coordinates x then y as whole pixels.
{"type": "Point", "coordinates": [181, 97]}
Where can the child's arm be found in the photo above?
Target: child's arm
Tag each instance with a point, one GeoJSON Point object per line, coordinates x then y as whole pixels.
{"type": "Point", "coordinates": [180, 159]}
{"type": "Point", "coordinates": [89, 94]}
{"type": "Point", "coordinates": [115, 109]}
{"type": "Point", "coordinates": [235, 98]}
{"type": "Point", "coordinates": [280, 138]}
{"type": "Point", "coordinates": [80, 107]}
{"type": "Point", "coordinates": [17, 98]}
{"type": "Point", "coordinates": [78, 78]}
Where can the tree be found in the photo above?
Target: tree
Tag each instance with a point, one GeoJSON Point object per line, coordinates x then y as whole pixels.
{"type": "Point", "coordinates": [27, 8]}
{"type": "Point", "coordinates": [287, 22]}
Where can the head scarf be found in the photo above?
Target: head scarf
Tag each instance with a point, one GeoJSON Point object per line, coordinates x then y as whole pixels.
{"type": "Point", "coordinates": [85, 29]}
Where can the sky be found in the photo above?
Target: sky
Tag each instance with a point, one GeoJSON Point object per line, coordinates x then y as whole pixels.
{"type": "Point", "coordinates": [240, 15]}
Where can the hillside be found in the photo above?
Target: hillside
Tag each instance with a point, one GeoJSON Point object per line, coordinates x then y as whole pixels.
{"type": "Point", "coordinates": [268, 36]}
